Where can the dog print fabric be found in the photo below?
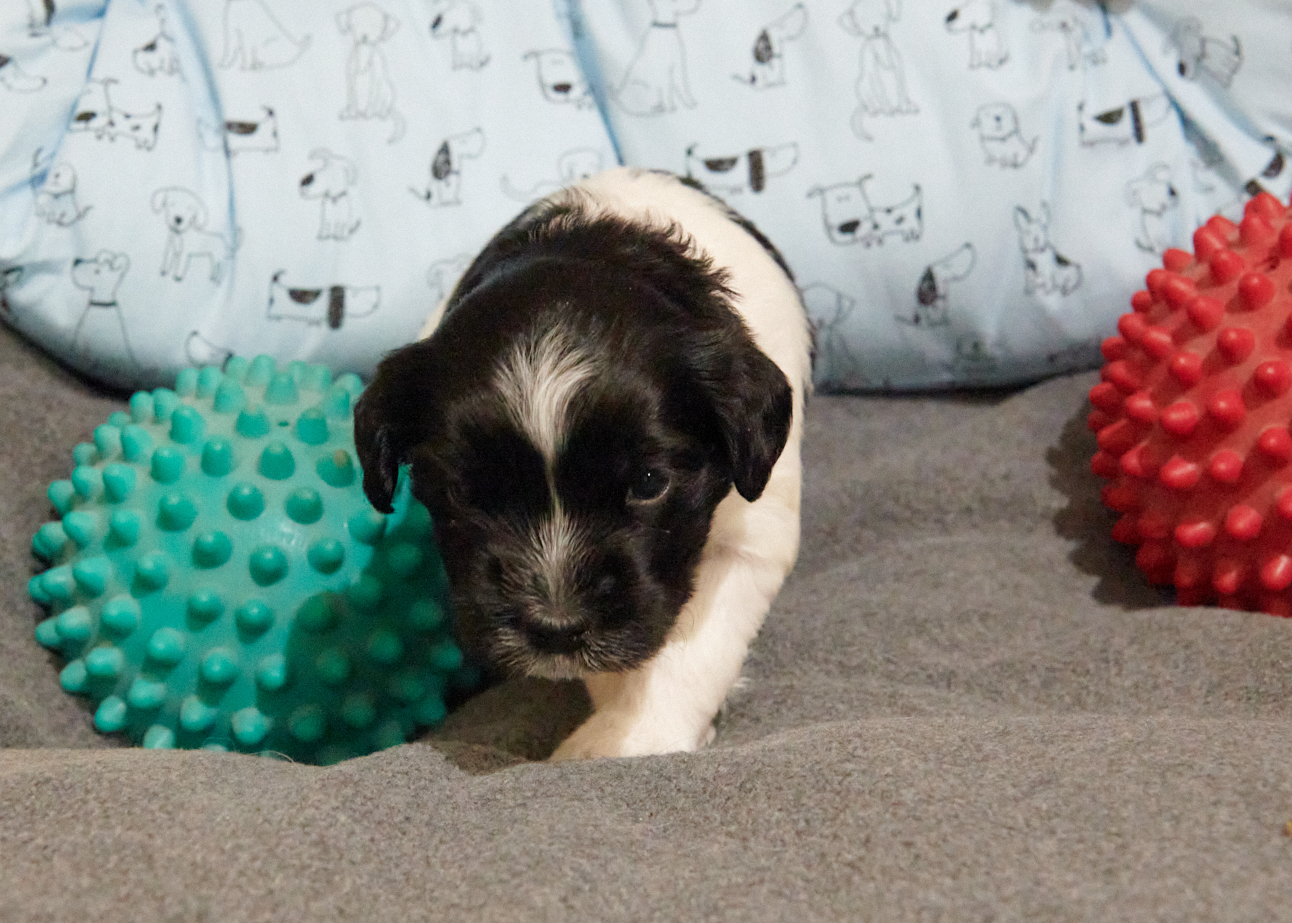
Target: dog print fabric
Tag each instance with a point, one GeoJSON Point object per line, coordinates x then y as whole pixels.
{"type": "Point", "coordinates": [182, 181]}
{"type": "Point", "coordinates": [966, 190]}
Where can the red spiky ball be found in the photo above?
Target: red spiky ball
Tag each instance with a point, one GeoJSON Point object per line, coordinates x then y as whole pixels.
{"type": "Point", "coordinates": [1192, 416]}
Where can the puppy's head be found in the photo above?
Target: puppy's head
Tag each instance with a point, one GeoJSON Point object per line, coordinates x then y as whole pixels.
{"type": "Point", "coordinates": [588, 401]}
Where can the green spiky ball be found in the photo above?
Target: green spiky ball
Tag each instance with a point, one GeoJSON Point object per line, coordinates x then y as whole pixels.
{"type": "Point", "coordinates": [218, 579]}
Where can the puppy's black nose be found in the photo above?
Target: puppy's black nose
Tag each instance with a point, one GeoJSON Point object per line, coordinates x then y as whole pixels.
{"type": "Point", "coordinates": [549, 637]}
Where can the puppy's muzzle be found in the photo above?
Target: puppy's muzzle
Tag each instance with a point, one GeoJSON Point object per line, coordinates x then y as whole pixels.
{"type": "Point", "coordinates": [546, 635]}
{"type": "Point", "coordinates": [558, 610]}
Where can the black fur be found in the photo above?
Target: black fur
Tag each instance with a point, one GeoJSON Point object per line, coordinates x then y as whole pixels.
{"type": "Point", "coordinates": [680, 388]}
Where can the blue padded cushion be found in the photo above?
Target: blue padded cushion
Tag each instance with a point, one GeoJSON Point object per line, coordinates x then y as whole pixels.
{"type": "Point", "coordinates": [967, 191]}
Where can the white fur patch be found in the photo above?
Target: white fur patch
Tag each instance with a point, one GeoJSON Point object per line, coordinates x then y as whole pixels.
{"type": "Point", "coordinates": [537, 381]}
{"type": "Point", "coordinates": [556, 548]}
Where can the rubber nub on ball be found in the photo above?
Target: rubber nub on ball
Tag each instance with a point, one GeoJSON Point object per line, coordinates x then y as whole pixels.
{"type": "Point", "coordinates": [1192, 412]}
{"type": "Point", "coordinates": [218, 579]}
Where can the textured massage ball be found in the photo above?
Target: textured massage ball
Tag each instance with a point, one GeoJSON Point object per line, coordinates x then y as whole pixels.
{"type": "Point", "coordinates": [1192, 416]}
{"type": "Point", "coordinates": [218, 579]}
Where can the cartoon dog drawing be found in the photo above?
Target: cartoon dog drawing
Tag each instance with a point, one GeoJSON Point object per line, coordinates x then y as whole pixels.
{"type": "Point", "coordinates": [747, 172]}
{"type": "Point", "coordinates": [986, 44]}
{"type": "Point", "coordinates": [1273, 169]}
{"type": "Point", "coordinates": [934, 287]}
{"type": "Point", "coordinates": [95, 113]}
{"type": "Point", "coordinates": [93, 110]}
{"type": "Point", "coordinates": [1123, 124]}
{"type": "Point", "coordinates": [330, 183]}
{"type": "Point", "coordinates": [1209, 179]}
{"type": "Point", "coordinates": [881, 85]}
{"type": "Point", "coordinates": [10, 277]}
{"type": "Point", "coordinates": [444, 274]}
{"type": "Point", "coordinates": [333, 305]}
{"type": "Point", "coordinates": [571, 167]}
{"type": "Point", "coordinates": [446, 168]}
{"type": "Point", "coordinates": [56, 197]}
{"type": "Point", "coordinates": [458, 20]}
{"type": "Point", "coordinates": [159, 55]}
{"type": "Point", "coordinates": [1202, 54]}
{"type": "Point", "coordinates": [829, 310]}
{"type": "Point", "coordinates": [1078, 356]}
{"type": "Point", "coordinates": [240, 136]}
{"type": "Point", "coordinates": [656, 80]}
{"type": "Point", "coordinates": [102, 328]}
{"type": "Point", "coordinates": [560, 79]}
{"type": "Point", "coordinates": [186, 236]}
{"type": "Point", "coordinates": [904, 220]}
{"type": "Point", "coordinates": [141, 128]}
{"type": "Point", "coordinates": [1001, 138]}
{"type": "Point", "coordinates": [972, 359]}
{"type": "Point", "coordinates": [769, 49]}
{"type": "Point", "coordinates": [13, 77]}
{"type": "Point", "coordinates": [850, 217]}
{"type": "Point", "coordinates": [1077, 42]}
{"type": "Point", "coordinates": [369, 91]}
{"type": "Point", "coordinates": [1154, 195]}
{"type": "Point", "coordinates": [1046, 270]}
{"type": "Point", "coordinates": [40, 26]}
{"type": "Point", "coordinates": [201, 351]}
{"type": "Point", "coordinates": [254, 39]}
{"type": "Point", "coordinates": [40, 14]}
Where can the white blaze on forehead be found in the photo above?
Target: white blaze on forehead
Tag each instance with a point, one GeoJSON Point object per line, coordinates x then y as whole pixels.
{"type": "Point", "coordinates": [537, 381]}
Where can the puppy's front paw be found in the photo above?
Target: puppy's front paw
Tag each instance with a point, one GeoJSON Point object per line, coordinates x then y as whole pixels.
{"type": "Point", "coordinates": [608, 733]}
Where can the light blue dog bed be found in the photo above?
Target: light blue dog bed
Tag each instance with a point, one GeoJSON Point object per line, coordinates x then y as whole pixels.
{"type": "Point", "coordinates": [966, 190]}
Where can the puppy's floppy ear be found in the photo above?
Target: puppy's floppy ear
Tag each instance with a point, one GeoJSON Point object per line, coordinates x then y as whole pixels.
{"type": "Point", "coordinates": [753, 404]}
{"type": "Point", "coordinates": [387, 423]}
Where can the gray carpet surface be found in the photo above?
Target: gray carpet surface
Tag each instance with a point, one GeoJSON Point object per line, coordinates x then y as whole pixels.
{"type": "Point", "coordinates": [965, 705]}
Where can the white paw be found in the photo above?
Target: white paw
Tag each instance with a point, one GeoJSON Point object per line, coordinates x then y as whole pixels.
{"type": "Point", "coordinates": [609, 734]}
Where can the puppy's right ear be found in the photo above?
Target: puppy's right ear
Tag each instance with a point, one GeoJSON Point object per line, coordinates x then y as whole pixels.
{"type": "Point", "coordinates": [387, 425]}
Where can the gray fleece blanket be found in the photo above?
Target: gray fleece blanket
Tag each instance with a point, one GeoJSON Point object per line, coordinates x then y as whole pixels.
{"type": "Point", "coordinates": [965, 705]}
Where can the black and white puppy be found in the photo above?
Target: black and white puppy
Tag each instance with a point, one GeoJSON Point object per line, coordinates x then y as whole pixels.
{"type": "Point", "coordinates": [604, 421]}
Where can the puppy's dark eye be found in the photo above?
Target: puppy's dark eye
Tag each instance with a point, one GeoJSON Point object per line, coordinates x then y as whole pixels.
{"type": "Point", "coordinates": [648, 487]}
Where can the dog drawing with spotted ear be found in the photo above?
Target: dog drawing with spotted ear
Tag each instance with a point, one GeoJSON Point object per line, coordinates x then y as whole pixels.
{"type": "Point", "coordinates": [604, 419]}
